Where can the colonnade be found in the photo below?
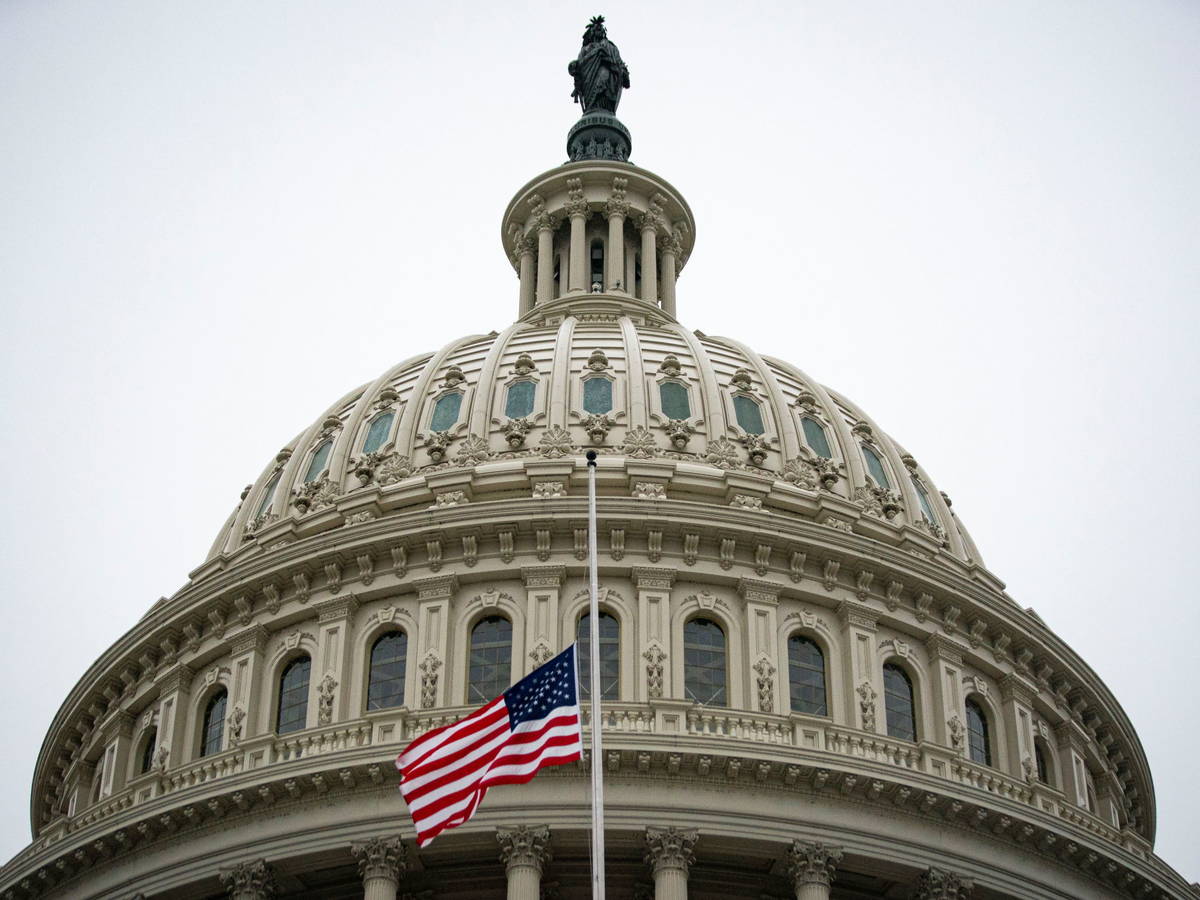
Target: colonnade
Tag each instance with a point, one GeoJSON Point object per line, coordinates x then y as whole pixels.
{"type": "Point", "coordinates": [525, 852]}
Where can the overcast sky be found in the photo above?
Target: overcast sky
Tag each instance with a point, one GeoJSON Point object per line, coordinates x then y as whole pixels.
{"type": "Point", "coordinates": [979, 221]}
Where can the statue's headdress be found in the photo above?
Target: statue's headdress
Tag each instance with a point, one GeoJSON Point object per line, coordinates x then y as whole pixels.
{"type": "Point", "coordinates": [595, 30]}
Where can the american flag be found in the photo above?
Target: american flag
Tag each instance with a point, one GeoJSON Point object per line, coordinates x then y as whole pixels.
{"type": "Point", "coordinates": [445, 772]}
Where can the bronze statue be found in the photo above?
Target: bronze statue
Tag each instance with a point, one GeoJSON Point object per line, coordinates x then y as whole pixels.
{"type": "Point", "coordinates": [599, 73]}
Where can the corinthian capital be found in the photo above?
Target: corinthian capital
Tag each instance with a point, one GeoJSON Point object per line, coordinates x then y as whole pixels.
{"type": "Point", "coordinates": [670, 848]}
{"type": "Point", "coordinates": [380, 857]}
{"type": "Point", "coordinates": [524, 846]}
{"type": "Point", "coordinates": [813, 863]}
{"type": "Point", "coordinates": [938, 884]}
{"type": "Point", "coordinates": [249, 881]}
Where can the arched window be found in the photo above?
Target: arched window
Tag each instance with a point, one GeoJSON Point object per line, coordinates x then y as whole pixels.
{"type": "Point", "coordinates": [491, 659]}
{"type": "Point", "coordinates": [385, 684]}
{"type": "Point", "coordinates": [979, 745]}
{"type": "Point", "coordinates": [610, 656]}
{"type": "Point", "coordinates": [519, 402]}
{"type": "Point", "coordinates": [674, 397]}
{"type": "Point", "coordinates": [749, 415]}
{"type": "Point", "coordinates": [704, 675]}
{"type": "Point", "coordinates": [268, 495]}
{"type": "Point", "coordinates": [597, 263]}
{"type": "Point", "coordinates": [212, 732]}
{"type": "Point", "coordinates": [923, 499]}
{"type": "Point", "coordinates": [445, 412]}
{"type": "Point", "coordinates": [597, 395]}
{"type": "Point", "coordinates": [149, 745]}
{"type": "Point", "coordinates": [316, 465]}
{"type": "Point", "coordinates": [378, 432]}
{"type": "Point", "coordinates": [806, 676]}
{"type": "Point", "coordinates": [875, 468]}
{"type": "Point", "coordinates": [899, 706]}
{"type": "Point", "coordinates": [814, 433]}
{"type": "Point", "coordinates": [1043, 763]}
{"type": "Point", "coordinates": [293, 696]}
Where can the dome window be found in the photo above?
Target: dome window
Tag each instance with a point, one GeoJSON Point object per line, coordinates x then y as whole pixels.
{"type": "Point", "coordinates": [978, 743]}
{"type": "Point", "coordinates": [317, 464]}
{"type": "Point", "coordinates": [749, 414]}
{"type": "Point", "coordinates": [212, 733]}
{"type": "Point", "coordinates": [385, 687]}
{"type": "Point", "coordinates": [704, 673]}
{"type": "Point", "coordinates": [148, 747]}
{"type": "Point", "coordinates": [491, 659]}
{"type": "Point", "coordinates": [875, 468]}
{"type": "Point", "coordinates": [597, 396]}
{"type": "Point", "coordinates": [923, 498]}
{"type": "Point", "coordinates": [674, 399]}
{"type": "Point", "coordinates": [814, 433]}
{"type": "Point", "coordinates": [899, 705]}
{"type": "Point", "coordinates": [806, 676]}
{"type": "Point", "coordinates": [264, 505]}
{"type": "Point", "coordinates": [519, 402]}
{"type": "Point", "coordinates": [293, 696]}
{"type": "Point", "coordinates": [378, 432]}
{"type": "Point", "coordinates": [610, 656]}
{"type": "Point", "coordinates": [445, 412]}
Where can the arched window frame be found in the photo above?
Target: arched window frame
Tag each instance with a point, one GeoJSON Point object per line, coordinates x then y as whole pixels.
{"type": "Point", "coordinates": [707, 606]}
{"type": "Point", "coordinates": [312, 460]}
{"type": "Point", "coordinates": [913, 682]}
{"type": "Point", "coordinates": [822, 646]}
{"type": "Point", "coordinates": [200, 716]}
{"type": "Point", "coordinates": [147, 746]}
{"type": "Point", "coordinates": [619, 607]}
{"type": "Point", "coordinates": [266, 500]}
{"type": "Point", "coordinates": [1047, 768]}
{"type": "Point", "coordinates": [730, 700]}
{"type": "Point", "coordinates": [384, 444]}
{"type": "Point", "coordinates": [475, 697]}
{"type": "Point", "coordinates": [498, 603]}
{"type": "Point", "coordinates": [276, 707]}
{"type": "Point", "coordinates": [892, 483]}
{"type": "Point", "coordinates": [377, 635]}
{"type": "Point", "coordinates": [604, 611]}
{"type": "Point", "coordinates": [986, 738]}
{"type": "Point", "coordinates": [826, 429]}
{"type": "Point", "coordinates": [924, 500]}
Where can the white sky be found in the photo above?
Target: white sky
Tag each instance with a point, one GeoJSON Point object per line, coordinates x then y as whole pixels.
{"type": "Point", "coordinates": [979, 221]}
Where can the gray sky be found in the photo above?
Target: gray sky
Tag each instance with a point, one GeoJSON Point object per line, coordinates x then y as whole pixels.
{"type": "Point", "coordinates": [979, 221]}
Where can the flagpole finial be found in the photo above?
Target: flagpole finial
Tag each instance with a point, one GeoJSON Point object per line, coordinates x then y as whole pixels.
{"type": "Point", "coordinates": [591, 457]}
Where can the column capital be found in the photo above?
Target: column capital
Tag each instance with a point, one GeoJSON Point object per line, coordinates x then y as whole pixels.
{"type": "Point", "coordinates": [437, 587]}
{"type": "Point", "coordinates": [649, 578]}
{"type": "Point", "coordinates": [524, 846]}
{"type": "Point", "coordinates": [543, 576]}
{"type": "Point", "coordinates": [670, 848]}
{"type": "Point", "coordinates": [380, 857]}
{"type": "Point", "coordinates": [576, 204]}
{"type": "Point", "coordinates": [938, 884]}
{"type": "Point", "coordinates": [249, 880]}
{"type": "Point", "coordinates": [812, 862]}
{"type": "Point", "coordinates": [752, 590]}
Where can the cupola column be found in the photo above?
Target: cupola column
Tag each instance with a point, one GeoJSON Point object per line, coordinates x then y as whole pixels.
{"type": "Point", "coordinates": [670, 257]}
{"type": "Point", "coordinates": [577, 209]}
{"type": "Point", "coordinates": [525, 250]}
{"type": "Point", "coordinates": [812, 867]}
{"type": "Point", "coordinates": [670, 857]}
{"type": "Point", "coordinates": [525, 852]}
{"type": "Point", "coordinates": [649, 257]}
{"type": "Point", "coordinates": [617, 208]}
{"type": "Point", "coordinates": [381, 863]}
{"type": "Point", "coordinates": [544, 223]}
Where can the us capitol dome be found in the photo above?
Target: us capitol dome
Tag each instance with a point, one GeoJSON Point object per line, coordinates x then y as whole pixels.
{"type": "Point", "coordinates": [811, 684]}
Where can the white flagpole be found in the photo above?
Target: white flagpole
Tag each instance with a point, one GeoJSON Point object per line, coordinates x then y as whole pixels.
{"type": "Point", "coordinates": [594, 681]}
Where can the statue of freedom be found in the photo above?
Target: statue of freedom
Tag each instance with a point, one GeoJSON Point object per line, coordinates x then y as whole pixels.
{"type": "Point", "coordinates": [599, 72]}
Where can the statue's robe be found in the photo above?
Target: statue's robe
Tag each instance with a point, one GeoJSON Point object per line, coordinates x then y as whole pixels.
{"type": "Point", "coordinates": [599, 76]}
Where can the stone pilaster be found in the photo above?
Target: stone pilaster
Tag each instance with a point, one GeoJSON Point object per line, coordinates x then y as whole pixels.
{"type": "Point", "coordinates": [245, 717]}
{"type": "Point", "coordinates": [249, 881]}
{"type": "Point", "coordinates": [617, 208]}
{"type": "Point", "coordinates": [434, 596]}
{"type": "Point", "coordinates": [945, 661]}
{"type": "Point", "coordinates": [670, 857]}
{"type": "Point", "coordinates": [762, 599]}
{"type": "Point", "coordinates": [812, 867]}
{"type": "Point", "coordinates": [174, 689]}
{"type": "Point", "coordinates": [1017, 695]}
{"type": "Point", "coordinates": [938, 884]}
{"type": "Point", "coordinates": [543, 586]}
{"type": "Point", "coordinates": [525, 852]}
{"type": "Point", "coordinates": [381, 863]}
{"type": "Point", "coordinates": [653, 622]}
{"type": "Point", "coordinates": [331, 668]}
{"type": "Point", "coordinates": [864, 700]}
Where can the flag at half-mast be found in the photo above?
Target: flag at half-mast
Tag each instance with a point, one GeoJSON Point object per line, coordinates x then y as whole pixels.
{"type": "Point", "coordinates": [535, 723]}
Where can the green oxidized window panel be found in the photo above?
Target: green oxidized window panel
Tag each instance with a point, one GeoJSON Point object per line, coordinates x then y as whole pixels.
{"type": "Point", "coordinates": [378, 432]}
{"type": "Point", "coordinates": [317, 465]}
{"type": "Point", "coordinates": [597, 396]}
{"type": "Point", "coordinates": [749, 415]}
{"type": "Point", "coordinates": [268, 495]}
{"type": "Point", "coordinates": [520, 399]}
{"type": "Point", "coordinates": [674, 397]}
{"type": "Point", "coordinates": [875, 467]}
{"type": "Point", "coordinates": [926, 506]}
{"type": "Point", "coordinates": [814, 433]}
{"type": "Point", "coordinates": [445, 412]}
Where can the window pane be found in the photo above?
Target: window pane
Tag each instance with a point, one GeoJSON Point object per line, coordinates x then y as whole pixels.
{"type": "Point", "coordinates": [749, 415]}
{"type": "Point", "coordinates": [378, 432]}
{"type": "Point", "coordinates": [674, 397]}
{"type": "Point", "coordinates": [268, 496]}
{"type": "Point", "coordinates": [1043, 770]}
{"type": "Point", "coordinates": [597, 263]}
{"type": "Point", "coordinates": [148, 749]}
{"type": "Point", "coordinates": [977, 735]}
{"type": "Point", "coordinates": [806, 675]}
{"type": "Point", "coordinates": [898, 704]}
{"type": "Point", "coordinates": [385, 687]}
{"type": "Point", "coordinates": [317, 465]}
{"type": "Point", "coordinates": [491, 659]}
{"type": "Point", "coordinates": [597, 396]}
{"type": "Point", "coordinates": [610, 656]}
{"type": "Point", "coordinates": [875, 467]}
{"type": "Point", "coordinates": [293, 696]}
{"type": "Point", "coordinates": [214, 725]}
{"type": "Point", "coordinates": [926, 506]}
{"type": "Point", "coordinates": [445, 412]}
{"type": "Point", "coordinates": [520, 399]}
{"type": "Point", "coordinates": [704, 662]}
{"type": "Point", "coordinates": [814, 433]}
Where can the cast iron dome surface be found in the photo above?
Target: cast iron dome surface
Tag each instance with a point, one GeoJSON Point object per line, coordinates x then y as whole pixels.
{"type": "Point", "coordinates": [738, 498]}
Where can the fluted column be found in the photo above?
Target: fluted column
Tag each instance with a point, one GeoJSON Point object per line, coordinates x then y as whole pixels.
{"type": "Point", "coordinates": [524, 254]}
{"type": "Point", "coordinates": [249, 881]}
{"type": "Point", "coordinates": [812, 867]}
{"type": "Point", "coordinates": [670, 856]}
{"type": "Point", "coordinates": [617, 208]}
{"type": "Point", "coordinates": [938, 884]}
{"type": "Point", "coordinates": [670, 256]}
{"type": "Point", "coordinates": [577, 209]}
{"type": "Point", "coordinates": [381, 863]}
{"type": "Point", "coordinates": [649, 256]}
{"type": "Point", "coordinates": [525, 852]}
{"type": "Point", "coordinates": [544, 223]}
